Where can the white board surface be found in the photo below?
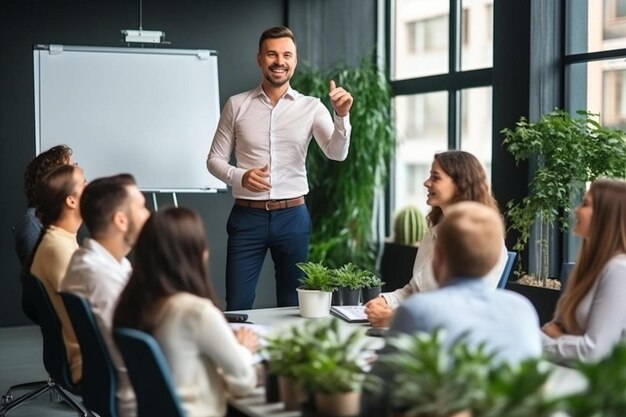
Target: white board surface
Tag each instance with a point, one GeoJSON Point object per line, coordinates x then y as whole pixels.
{"type": "Point", "coordinates": [148, 112]}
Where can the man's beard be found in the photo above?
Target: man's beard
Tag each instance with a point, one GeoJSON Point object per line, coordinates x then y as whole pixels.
{"type": "Point", "coordinates": [275, 82]}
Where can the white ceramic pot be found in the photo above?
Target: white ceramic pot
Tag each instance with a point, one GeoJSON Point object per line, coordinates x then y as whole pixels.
{"type": "Point", "coordinates": [314, 304]}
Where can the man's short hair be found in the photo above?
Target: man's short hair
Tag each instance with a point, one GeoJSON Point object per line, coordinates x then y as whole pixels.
{"type": "Point", "coordinates": [470, 239]}
{"type": "Point", "coordinates": [101, 198]}
{"type": "Point", "coordinates": [41, 165]}
{"type": "Point", "coordinates": [276, 33]}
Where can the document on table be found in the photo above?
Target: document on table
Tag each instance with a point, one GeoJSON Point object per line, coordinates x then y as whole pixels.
{"type": "Point", "coordinates": [351, 314]}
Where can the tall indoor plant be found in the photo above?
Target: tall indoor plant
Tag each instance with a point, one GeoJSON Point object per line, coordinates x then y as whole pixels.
{"type": "Point", "coordinates": [342, 195]}
{"type": "Point", "coordinates": [570, 152]}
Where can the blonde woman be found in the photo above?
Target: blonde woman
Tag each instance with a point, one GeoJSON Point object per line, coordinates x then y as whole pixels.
{"type": "Point", "coordinates": [590, 317]}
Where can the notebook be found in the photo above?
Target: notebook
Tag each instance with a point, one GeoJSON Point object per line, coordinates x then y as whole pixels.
{"type": "Point", "coordinates": [351, 314]}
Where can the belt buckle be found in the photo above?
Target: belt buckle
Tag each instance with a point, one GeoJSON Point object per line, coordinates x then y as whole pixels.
{"type": "Point", "coordinates": [267, 203]}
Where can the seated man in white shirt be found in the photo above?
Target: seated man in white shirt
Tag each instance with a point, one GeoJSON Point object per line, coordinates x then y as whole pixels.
{"type": "Point", "coordinates": [114, 211]}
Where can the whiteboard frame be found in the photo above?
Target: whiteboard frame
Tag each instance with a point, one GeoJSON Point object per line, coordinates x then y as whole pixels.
{"type": "Point", "coordinates": [212, 185]}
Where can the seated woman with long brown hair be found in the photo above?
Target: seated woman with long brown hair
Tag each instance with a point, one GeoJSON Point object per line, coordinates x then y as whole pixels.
{"type": "Point", "coordinates": [455, 176]}
{"type": "Point", "coordinates": [590, 316]}
{"type": "Point", "coordinates": [169, 296]}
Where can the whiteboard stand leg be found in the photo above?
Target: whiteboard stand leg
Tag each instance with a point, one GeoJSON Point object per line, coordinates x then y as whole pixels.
{"type": "Point", "coordinates": [154, 202]}
{"type": "Point", "coordinates": [175, 199]}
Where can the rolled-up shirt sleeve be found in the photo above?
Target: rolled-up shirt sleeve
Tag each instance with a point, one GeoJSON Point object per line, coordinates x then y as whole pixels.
{"type": "Point", "coordinates": [332, 134]}
{"type": "Point", "coordinates": [218, 160]}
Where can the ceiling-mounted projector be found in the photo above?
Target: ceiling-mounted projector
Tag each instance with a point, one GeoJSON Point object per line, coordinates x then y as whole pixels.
{"type": "Point", "coordinates": [143, 36]}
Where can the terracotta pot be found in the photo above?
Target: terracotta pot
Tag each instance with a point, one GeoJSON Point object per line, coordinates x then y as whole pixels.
{"type": "Point", "coordinates": [465, 413]}
{"type": "Point", "coordinates": [291, 393]}
{"type": "Point", "coordinates": [340, 404]}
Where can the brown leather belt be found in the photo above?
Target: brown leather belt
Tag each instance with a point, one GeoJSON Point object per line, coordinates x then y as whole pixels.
{"type": "Point", "coordinates": [270, 205]}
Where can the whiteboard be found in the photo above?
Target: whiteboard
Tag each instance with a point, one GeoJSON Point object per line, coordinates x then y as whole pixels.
{"type": "Point", "coordinates": [148, 112]}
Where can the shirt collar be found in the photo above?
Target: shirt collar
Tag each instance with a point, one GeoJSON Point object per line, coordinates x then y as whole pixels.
{"type": "Point", "coordinates": [290, 93]}
{"type": "Point", "coordinates": [469, 282]}
{"type": "Point", "coordinates": [94, 246]}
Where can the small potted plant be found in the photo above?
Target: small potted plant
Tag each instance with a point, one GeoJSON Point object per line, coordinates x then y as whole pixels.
{"type": "Point", "coordinates": [286, 352]}
{"type": "Point", "coordinates": [350, 280]}
{"type": "Point", "coordinates": [315, 291]}
{"type": "Point", "coordinates": [372, 287]}
{"type": "Point", "coordinates": [333, 372]}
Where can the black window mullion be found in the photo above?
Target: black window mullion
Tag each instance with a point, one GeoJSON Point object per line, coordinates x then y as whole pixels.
{"type": "Point", "coordinates": [454, 62]}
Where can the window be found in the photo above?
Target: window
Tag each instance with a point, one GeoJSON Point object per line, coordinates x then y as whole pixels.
{"type": "Point", "coordinates": [476, 34]}
{"type": "Point", "coordinates": [421, 38]}
{"type": "Point", "coordinates": [595, 64]}
{"type": "Point", "coordinates": [421, 123]}
{"type": "Point", "coordinates": [437, 106]}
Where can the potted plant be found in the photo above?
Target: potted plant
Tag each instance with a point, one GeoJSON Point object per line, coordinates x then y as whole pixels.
{"type": "Point", "coordinates": [570, 152]}
{"type": "Point", "coordinates": [372, 287]}
{"type": "Point", "coordinates": [433, 379]}
{"type": "Point", "coordinates": [396, 264]}
{"type": "Point", "coordinates": [286, 352]}
{"type": "Point", "coordinates": [350, 280]}
{"type": "Point", "coordinates": [343, 230]}
{"type": "Point", "coordinates": [605, 391]}
{"type": "Point", "coordinates": [315, 291]}
{"type": "Point", "coordinates": [333, 372]}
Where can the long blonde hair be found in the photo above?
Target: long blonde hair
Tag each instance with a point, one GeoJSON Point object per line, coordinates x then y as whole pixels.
{"type": "Point", "coordinates": [607, 238]}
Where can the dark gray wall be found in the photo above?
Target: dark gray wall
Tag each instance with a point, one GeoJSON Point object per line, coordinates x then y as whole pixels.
{"type": "Point", "coordinates": [232, 28]}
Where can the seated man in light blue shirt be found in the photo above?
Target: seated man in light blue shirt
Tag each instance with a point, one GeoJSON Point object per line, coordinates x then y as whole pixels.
{"type": "Point", "coordinates": [468, 246]}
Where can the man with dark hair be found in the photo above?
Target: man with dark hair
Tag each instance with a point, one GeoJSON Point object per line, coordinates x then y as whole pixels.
{"type": "Point", "coordinates": [269, 129]}
{"type": "Point", "coordinates": [114, 212]}
{"type": "Point", "coordinates": [28, 229]}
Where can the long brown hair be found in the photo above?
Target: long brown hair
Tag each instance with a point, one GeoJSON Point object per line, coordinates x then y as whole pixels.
{"type": "Point", "coordinates": [169, 258]}
{"type": "Point", "coordinates": [607, 238]}
{"type": "Point", "coordinates": [469, 177]}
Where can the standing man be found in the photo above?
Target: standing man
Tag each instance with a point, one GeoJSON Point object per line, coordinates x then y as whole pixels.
{"type": "Point", "coordinates": [269, 129]}
{"type": "Point", "coordinates": [114, 211]}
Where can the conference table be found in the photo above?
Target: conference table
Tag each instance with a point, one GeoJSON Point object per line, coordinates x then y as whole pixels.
{"type": "Point", "coordinates": [274, 319]}
{"type": "Point", "coordinates": [562, 380]}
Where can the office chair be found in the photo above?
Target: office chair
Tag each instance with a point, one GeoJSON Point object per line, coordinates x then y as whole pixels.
{"type": "Point", "coordinates": [99, 381]}
{"type": "Point", "coordinates": [54, 354]}
{"type": "Point", "coordinates": [566, 271]}
{"type": "Point", "coordinates": [149, 374]}
{"type": "Point", "coordinates": [504, 278]}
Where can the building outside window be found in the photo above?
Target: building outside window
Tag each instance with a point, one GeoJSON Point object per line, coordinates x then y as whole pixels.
{"type": "Point", "coordinates": [430, 115]}
{"type": "Point", "coordinates": [595, 64]}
